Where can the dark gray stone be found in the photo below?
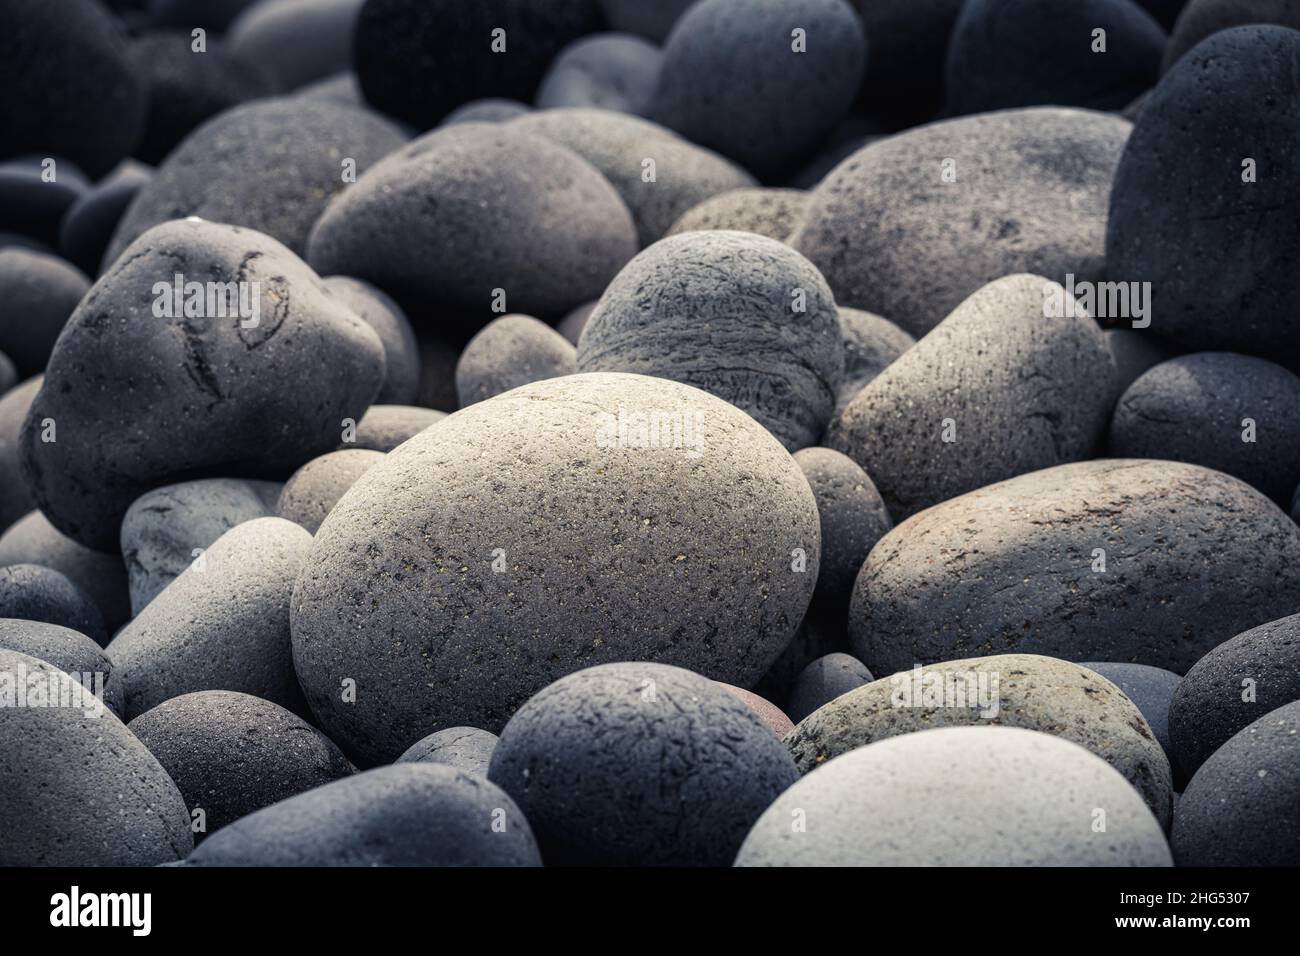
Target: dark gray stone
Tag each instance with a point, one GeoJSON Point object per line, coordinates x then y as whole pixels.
{"type": "Point", "coordinates": [651, 20]}
{"type": "Point", "coordinates": [88, 225]}
{"type": "Point", "coordinates": [412, 814]}
{"type": "Point", "coordinates": [315, 488]}
{"type": "Point", "coordinates": [1151, 689]}
{"type": "Point", "coordinates": [232, 754]}
{"type": "Point", "coordinates": [140, 400]}
{"type": "Point", "coordinates": [384, 427]}
{"type": "Point", "coordinates": [213, 15]}
{"type": "Point", "coordinates": [823, 680]}
{"type": "Point", "coordinates": [1134, 353]}
{"type": "Point", "coordinates": [611, 543]}
{"type": "Point", "coordinates": [342, 88]}
{"type": "Point", "coordinates": [34, 593]}
{"type": "Point", "coordinates": [511, 351]}
{"type": "Point", "coordinates": [816, 637]}
{"type": "Point", "coordinates": [612, 71]}
{"type": "Point", "coordinates": [736, 314]}
{"type": "Point", "coordinates": [906, 43]}
{"type": "Point", "coordinates": [15, 498]}
{"type": "Point", "coordinates": [571, 325]}
{"type": "Point", "coordinates": [1010, 568]}
{"type": "Point", "coordinates": [636, 793]}
{"type": "Point", "coordinates": [769, 212]}
{"type": "Point", "coordinates": [1201, 18]}
{"type": "Point", "coordinates": [401, 350]}
{"type": "Point", "coordinates": [70, 651]}
{"type": "Point", "coordinates": [37, 295]}
{"type": "Point", "coordinates": [296, 41]}
{"type": "Point", "coordinates": [32, 204]}
{"type": "Point", "coordinates": [871, 344]}
{"type": "Point", "coordinates": [465, 748]}
{"type": "Point", "coordinates": [489, 110]}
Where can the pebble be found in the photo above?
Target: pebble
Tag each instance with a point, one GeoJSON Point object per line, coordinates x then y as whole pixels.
{"type": "Point", "coordinates": [467, 749]}
{"type": "Point", "coordinates": [771, 715]}
{"type": "Point", "coordinates": [769, 212]}
{"type": "Point", "coordinates": [823, 680]}
{"type": "Point", "coordinates": [871, 344]}
{"type": "Point", "coordinates": [30, 592]}
{"type": "Point", "coordinates": [384, 427]}
{"type": "Point", "coordinates": [88, 225]}
{"type": "Point", "coordinates": [650, 20]}
{"type": "Point", "coordinates": [38, 293]}
{"type": "Point", "coordinates": [1201, 18]}
{"type": "Point", "coordinates": [315, 488]}
{"type": "Point", "coordinates": [15, 498]}
{"type": "Point", "coordinates": [1134, 354]}
{"type": "Point", "coordinates": [612, 71]}
{"type": "Point", "coordinates": [1151, 689]}
{"type": "Point", "coordinates": [511, 351]}
{"type": "Point", "coordinates": [401, 350]}
{"type": "Point", "coordinates": [70, 651]}
{"type": "Point", "coordinates": [490, 109]}
{"type": "Point", "coordinates": [296, 42]}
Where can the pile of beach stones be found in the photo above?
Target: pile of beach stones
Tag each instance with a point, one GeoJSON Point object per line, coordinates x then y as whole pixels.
{"type": "Point", "coordinates": [603, 432]}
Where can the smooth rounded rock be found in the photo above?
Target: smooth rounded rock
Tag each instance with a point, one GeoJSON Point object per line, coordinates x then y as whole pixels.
{"type": "Point", "coordinates": [413, 814]}
{"type": "Point", "coordinates": [341, 88]}
{"type": "Point", "coordinates": [960, 796]}
{"type": "Point", "coordinates": [651, 20]}
{"type": "Point", "coordinates": [1201, 18]}
{"type": "Point", "coordinates": [467, 749]}
{"type": "Point", "coordinates": [769, 212]}
{"type": "Point", "coordinates": [34, 593]}
{"type": "Point", "coordinates": [1151, 689]}
{"type": "Point", "coordinates": [488, 110]}
{"type": "Point", "coordinates": [232, 754]}
{"type": "Point", "coordinates": [1191, 556]}
{"type": "Point", "coordinates": [1200, 204]}
{"type": "Point", "coordinates": [1134, 353]}
{"type": "Point", "coordinates": [81, 791]}
{"type": "Point", "coordinates": [181, 397]}
{"type": "Point", "coordinates": [315, 488]}
{"type": "Point", "coordinates": [70, 651]}
{"type": "Point", "coordinates": [1013, 690]}
{"type": "Point", "coordinates": [222, 625]}
{"type": "Point", "coordinates": [606, 764]}
{"type": "Point", "coordinates": [38, 293]}
{"type": "Point", "coordinates": [571, 325]}
{"type": "Point", "coordinates": [1030, 194]}
{"type": "Point", "coordinates": [384, 427]}
{"type": "Point", "coordinates": [721, 311]}
{"type": "Point", "coordinates": [166, 529]}
{"type": "Point", "coordinates": [823, 681]}
{"type": "Point", "coordinates": [1242, 808]}
{"type": "Point", "coordinates": [516, 213]}
{"type": "Point", "coordinates": [401, 350]}
{"type": "Point", "coordinates": [590, 523]}
{"type": "Point", "coordinates": [1232, 686]}
{"type": "Point", "coordinates": [511, 351]}
{"type": "Point", "coordinates": [295, 41]}
{"type": "Point", "coordinates": [612, 71]}
{"type": "Point", "coordinates": [998, 389]}
{"type": "Point", "coordinates": [88, 225]}
{"type": "Point", "coordinates": [15, 497]}
{"type": "Point", "coordinates": [270, 165]}
{"type": "Point", "coordinates": [771, 715]}
{"type": "Point", "coordinates": [35, 192]}
{"type": "Point", "coordinates": [817, 636]}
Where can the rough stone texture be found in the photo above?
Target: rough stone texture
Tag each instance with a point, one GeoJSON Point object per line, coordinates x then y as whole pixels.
{"type": "Point", "coordinates": [88, 225]}
{"type": "Point", "coordinates": [612, 71]}
{"type": "Point", "coordinates": [651, 20]}
{"type": "Point", "coordinates": [296, 41]}
{"type": "Point", "coordinates": [316, 487]}
{"type": "Point", "coordinates": [788, 98]}
{"type": "Point", "coordinates": [511, 351]}
{"type": "Point", "coordinates": [1197, 408]}
{"type": "Point", "coordinates": [906, 44]}
{"type": "Point", "coordinates": [771, 715]}
{"type": "Point", "coordinates": [34, 593]}
{"type": "Point", "coordinates": [618, 145]}
{"type": "Point", "coordinates": [1218, 251]}
{"type": "Point", "coordinates": [1031, 193]}
{"type": "Point", "coordinates": [67, 85]}
{"type": "Point", "coordinates": [823, 680]}
{"type": "Point", "coordinates": [70, 651]}
{"type": "Point", "coordinates": [1134, 353]}
{"type": "Point", "coordinates": [720, 311]}
{"type": "Point", "coordinates": [467, 749]}
{"type": "Point", "coordinates": [231, 754]}
{"type": "Point", "coordinates": [1151, 689]}
{"type": "Point", "coordinates": [1231, 686]}
{"type": "Point", "coordinates": [1242, 808]}
{"type": "Point", "coordinates": [1191, 555]}
{"type": "Point", "coordinates": [15, 498]}
{"type": "Point", "coordinates": [413, 814]}
{"type": "Point", "coordinates": [79, 791]}
{"type": "Point", "coordinates": [270, 165]}
{"type": "Point", "coordinates": [515, 212]}
{"type": "Point", "coordinates": [1200, 18]}
{"type": "Point", "coordinates": [384, 427]}
{"type": "Point", "coordinates": [871, 344]}
{"type": "Point", "coordinates": [1009, 53]}
{"type": "Point", "coordinates": [417, 60]}
{"type": "Point", "coordinates": [37, 295]}
{"type": "Point", "coordinates": [996, 390]}
{"type": "Point", "coordinates": [140, 401]}
{"type": "Point", "coordinates": [33, 540]}
{"type": "Point", "coordinates": [163, 528]}
{"type": "Point", "coordinates": [613, 548]}
{"type": "Point", "coordinates": [960, 796]}
{"type": "Point", "coordinates": [401, 350]}
{"type": "Point", "coordinates": [633, 793]}
{"type": "Point", "coordinates": [769, 212]}
{"type": "Point", "coordinates": [1017, 690]}
{"type": "Point", "coordinates": [222, 625]}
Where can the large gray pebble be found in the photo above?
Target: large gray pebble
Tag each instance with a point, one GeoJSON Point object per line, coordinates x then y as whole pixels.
{"type": "Point", "coordinates": [296, 41]}
{"type": "Point", "coordinates": [465, 748]}
{"type": "Point", "coordinates": [1031, 194]}
{"type": "Point", "coordinates": [1233, 413]}
{"type": "Point", "coordinates": [16, 498]}
{"type": "Point", "coordinates": [70, 651]}
{"type": "Point", "coordinates": [823, 680]}
{"type": "Point", "coordinates": [736, 314]}
{"type": "Point", "coordinates": [1015, 690]}
{"type": "Point", "coordinates": [164, 529]}
{"type": "Point", "coordinates": [511, 351]}
{"type": "Point", "coordinates": [37, 295]}
{"type": "Point", "coordinates": [81, 790]}
{"type": "Point", "coordinates": [769, 212]}
{"type": "Point", "coordinates": [401, 350]}
{"type": "Point", "coordinates": [639, 764]}
{"type": "Point", "coordinates": [384, 427]}
{"type": "Point", "coordinates": [1134, 353]}
{"type": "Point", "coordinates": [191, 397]}
{"type": "Point", "coordinates": [514, 212]}
{"type": "Point", "coordinates": [612, 71]}
{"type": "Point", "coordinates": [960, 796]}
{"type": "Point", "coordinates": [1242, 808]}
{"type": "Point", "coordinates": [996, 390]}
{"type": "Point", "coordinates": [1151, 689]}
{"type": "Point", "coordinates": [232, 754]}
{"type": "Point", "coordinates": [413, 814]}
{"type": "Point", "coordinates": [222, 625]}
{"type": "Point", "coordinates": [611, 547]}
{"type": "Point", "coordinates": [1191, 556]}
{"type": "Point", "coordinates": [33, 540]}
{"type": "Point", "coordinates": [658, 175]}
{"type": "Point", "coordinates": [315, 488]}
{"type": "Point", "coordinates": [270, 165]}
{"type": "Point", "coordinates": [34, 593]}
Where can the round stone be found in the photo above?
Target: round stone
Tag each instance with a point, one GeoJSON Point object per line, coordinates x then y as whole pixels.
{"type": "Point", "coordinates": [1201, 18]}
{"type": "Point", "coordinates": [1151, 689]}
{"type": "Point", "coordinates": [296, 41]}
{"type": "Point", "coordinates": [871, 345]}
{"type": "Point", "coordinates": [612, 71]}
{"type": "Point", "coordinates": [384, 427]}
{"type": "Point", "coordinates": [960, 796]}
{"type": "Point", "coordinates": [32, 593]}
{"type": "Point", "coordinates": [769, 212]}
{"type": "Point", "coordinates": [735, 314]}
{"type": "Point", "coordinates": [231, 754]}
{"type": "Point", "coordinates": [412, 814]}
{"type": "Point", "coordinates": [607, 766]}
{"type": "Point", "coordinates": [770, 714]}
{"type": "Point", "coordinates": [465, 748]}
{"type": "Point", "coordinates": [592, 538]}
{"type": "Point", "coordinates": [823, 680]}
{"type": "Point", "coordinates": [511, 351]}
{"type": "Point", "coordinates": [70, 651]}
{"type": "Point", "coordinates": [1134, 353]}
{"type": "Point", "coordinates": [650, 20]}
{"type": "Point", "coordinates": [35, 192]}
{"type": "Point", "coordinates": [571, 325]}
{"type": "Point", "coordinates": [401, 350]}
{"type": "Point", "coordinates": [87, 227]}
{"type": "Point", "coordinates": [315, 488]}
{"type": "Point", "coordinates": [15, 498]}
{"type": "Point", "coordinates": [488, 110]}
{"type": "Point", "coordinates": [38, 293]}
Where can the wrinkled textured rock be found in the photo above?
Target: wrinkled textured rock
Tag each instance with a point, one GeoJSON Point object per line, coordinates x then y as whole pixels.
{"type": "Point", "coordinates": [769, 212]}
{"type": "Point", "coordinates": [401, 350]}
{"type": "Point", "coordinates": [511, 351]}
{"type": "Point", "coordinates": [1191, 555]}
{"type": "Point", "coordinates": [384, 427]}
{"type": "Point", "coordinates": [37, 295]}
{"type": "Point", "coordinates": [316, 487]}
{"type": "Point", "coordinates": [33, 540]}
{"type": "Point", "coordinates": [719, 310]}
{"type": "Point", "coordinates": [30, 592]}
{"type": "Point", "coordinates": [70, 651]}
{"type": "Point", "coordinates": [633, 793]}
{"type": "Point", "coordinates": [613, 71]}
{"type": "Point", "coordinates": [823, 680]}
{"type": "Point", "coordinates": [467, 749]}
{"type": "Point", "coordinates": [571, 504]}
{"type": "Point", "coordinates": [960, 796]}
